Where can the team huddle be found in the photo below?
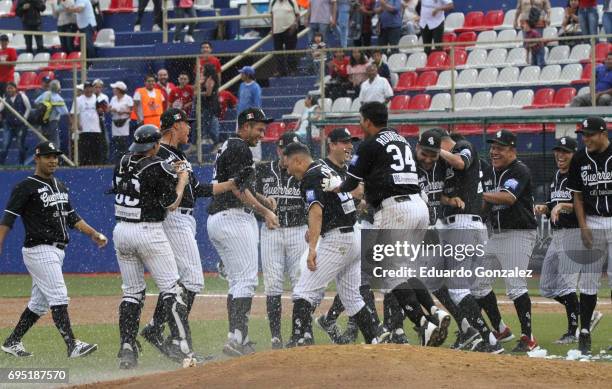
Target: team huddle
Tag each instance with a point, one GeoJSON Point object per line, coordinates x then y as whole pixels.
{"type": "Point", "coordinates": [440, 191]}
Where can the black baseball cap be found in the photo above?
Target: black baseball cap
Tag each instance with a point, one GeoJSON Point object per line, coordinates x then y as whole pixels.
{"type": "Point", "coordinates": [431, 140]}
{"type": "Point", "coordinates": [341, 135]}
{"type": "Point", "coordinates": [47, 148]}
{"type": "Point", "coordinates": [4, 37]}
{"type": "Point", "coordinates": [504, 138]}
{"type": "Point", "coordinates": [592, 125]}
{"type": "Point", "coordinates": [566, 143]}
{"type": "Point", "coordinates": [253, 115]}
{"type": "Point", "coordinates": [287, 138]}
{"type": "Point", "coordinates": [171, 116]}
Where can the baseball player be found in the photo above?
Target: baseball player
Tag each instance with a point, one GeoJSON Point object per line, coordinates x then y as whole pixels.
{"type": "Point", "coordinates": [387, 167]}
{"type": "Point", "coordinates": [232, 227]}
{"type": "Point", "coordinates": [508, 199]}
{"type": "Point", "coordinates": [179, 224]}
{"type": "Point", "coordinates": [41, 200]}
{"type": "Point", "coordinates": [146, 188]}
{"type": "Point", "coordinates": [333, 251]}
{"type": "Point", "coordinates": [590, 176]}
{"type": "Point", "coordinates": [281, 248]}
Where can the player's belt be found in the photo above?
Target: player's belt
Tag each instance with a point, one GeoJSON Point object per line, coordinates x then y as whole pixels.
{"type": "Point", "coordinates": [58, 245]}
{"type": "Point", "coordinates": [454, 218]}
{"type": "Point", "coordinates": [397, 199]}
{"type": "Point", "coordinates": [342, 230]}
{"type": "Point", "coordinates": [185, 211]}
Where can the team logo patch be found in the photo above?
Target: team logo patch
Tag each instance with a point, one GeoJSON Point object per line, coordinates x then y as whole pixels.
{"type": "Point", "coordinates": [498, 135]}
{"type": "Point", "coordinates": [354, 160]}
{"type": "Point", "coordinates": [466, 153]}
{"type": "Point", "coordinates": [563, 141]}
{"type": "Point", "coordinates": [310, 196]}
{"type": "Point", "coordinates": [511, 184]}
{"type": "Point", "coordinates": [430, 140]}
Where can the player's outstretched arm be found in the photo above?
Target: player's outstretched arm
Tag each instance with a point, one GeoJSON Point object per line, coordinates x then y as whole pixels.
{"type": "Point", "coordinates": [315, 221]}
{"type": "Point", "coordinates": [88, 230]}
{"type": "Point", "coordinates": [454, 160]}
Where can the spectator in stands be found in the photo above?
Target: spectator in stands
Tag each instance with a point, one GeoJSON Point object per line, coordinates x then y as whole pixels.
{"type": "Point", "coordinates": [149, 103]}
{"type": "Point", "coordinates": [607, 18]}
{"type": "Point", "coordinates": [66, 22]}
{"type": "Point", "coordinates": [357, 69]}
{"type": "Point", "coordinates": [318, 55]}
{"type": "Point", "coordinates": [311, 111]}
{"type": "Point", "coordinates": [30, 13]}
{"type": "Point", "coordinates": [44, 86]}
{"type": "Point", "coordinates": [375, 88]}
{"type": "Point", "coordinates": [181, 97]}
{"type": "Point", "coordinates": [7, 71]}
{"type": "Point", "coordinates": [120, 106]}
{"type": "Point", "coordinates": [603, 87]}
{"type": "Point", "coordinates": [540, 14]}
{"type": "Point", "coordinates": [589, 17]}
{"type": "Point", "coordinates": [383, 68]}
{"type": "Point", "coordinates": [92, 144]}
{"type": "Point", "coordinates": [342, 23]}
{"type": "Point", "coordinates": [86, 22]}
{"type": "Point", "coordinates": [210, 104]}
{"type": "Point", "coordinates": [157, 14]}
{"type": "Point", "coordinates": [182, 9]}
{"type": "Point", "coordinates": [366, 8]}
{"type": "Point", "coordinates": [102, 105]}
{"type": "Point", "coordinates": [534, 49]}
{"type": "Point", "coordinates": [79, 89]}
{"type": "Point", "coordinates": [432, 21]}
{"type": "Point", "coordinates": [207, 58]}
{"type": "Point", "coordinates": [13, 126]}
{"type": "Point", "coordinates": [338, 70]}
{"type": "Point", "coordinates": [164, 85]}
{"type": "Point", "coordinates": [390, 22]}
{"type": "Point", "coordinates": [285, 23]}
{"type": "Point", "coordinates": [50, 129]}
{"type": "Point", "coordinates": [227, 100]}
{"type": "Point", "coordinates": [410, 18]}
{"type": "Point", "coordinates": [321, 17]}
{"type": "Point", "coordinates": [571, 23]}
{"type": "Point", "coordinates": [249, 93]}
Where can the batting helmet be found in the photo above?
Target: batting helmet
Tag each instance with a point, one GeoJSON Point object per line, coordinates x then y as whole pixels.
{"type": "Point", "coordinates": [145, 138]}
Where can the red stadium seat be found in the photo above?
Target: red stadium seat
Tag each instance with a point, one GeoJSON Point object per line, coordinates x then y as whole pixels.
{"type": "Point", "coordinates": [542, 98]}
{"type": "Point", "coordinates": [425, 79]}
{"type": "Point", "coordinates": [601, 51]}
{"type": "Point", "coordinates": [27, 81]}
{"type": "Point", "coordinates": [460, 58]}
{"type": "Point", "coordinates": [56, 61]}
{"type": "Point", "coordinates": [469, 129]}
{"type": "Point", "coordinates": [563, 97]}
{"type": "Point", "coordinates": [291, 126]}
{"type": "Point", "coordinates": [492, 19]}
{"type": "Point", "coordinates": [473, 20]}
{"type": "Point", "coordinates": [408, 130]}
{"type": "Point", "coordinates": [399, 103]}
{"type": "Point", "coordinates": [120, 6]}
{"type": "Point", "coordinates": [448, 37]}
{"type": "Point", "coordinates": [44, 74]}
{"type": "Point", "coordinates": [420, 102]}
{"type": "Point", "coordinates": [468, 36]}
{"type": "Point", "coordinates": [435, 61]}
{"type": "Point", "coordinates": [406, 80]}
{"type": "Point", "coordinates": [273, 131]}
{"type": "Point", "coordinates": [585, 77]}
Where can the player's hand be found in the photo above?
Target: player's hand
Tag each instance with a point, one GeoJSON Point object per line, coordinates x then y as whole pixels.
{"type": "Point", "coordinates": [179, 166]}
{"type": "Point", "coordinates": [331, 182]}
{"type": "Point", "coordinates": [99, 239]}
{"type": "Point", "coordinates": [554, 214]}
{"type": "Point", "coordinates": [456, 202]}
{"type": "Point", "coordinates": [271, 203]}
{"type": "Point", "coordinates": [587, 237]}
{"type": "Point", "coordinates": [271, 220]}
{"type": "Point", "coordinates": [541, 209]}
{"type": "Point", "coordinates": [311, 261]}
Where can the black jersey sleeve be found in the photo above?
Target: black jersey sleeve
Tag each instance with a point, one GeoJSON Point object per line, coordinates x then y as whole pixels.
{"type": "Point", "coordinates": [17, 201]}
{"type": "Point", "coordinates": [515, 182]}
{"type": "Point", "coordinates": [202, 190]}
{"type": "Point", "coordinates": [361, 163]}
{"type": "Point", "coordinates": [312, 191]}
{"type": "Point", "coordinates": [574, 181]}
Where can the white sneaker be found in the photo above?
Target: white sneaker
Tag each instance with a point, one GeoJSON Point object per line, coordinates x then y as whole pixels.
{"type": "Point", "coordinates": [188, 39]}
{"type": "Point", "coordinates": [16, 349]}
{"type": "Point", "coordinates": [429, 334]}
{"type": "Point", "coordinates": [81, 349]}
{"type": "Point", "coordinates": [137, 28]}
{"type": "Point", "coordinates": [595, 319]}
{"type": "Point", "coordinates": [156, 28]}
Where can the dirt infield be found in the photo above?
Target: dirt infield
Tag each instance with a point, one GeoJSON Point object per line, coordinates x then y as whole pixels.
{"type": "Point", "coordinates": [381, 366]}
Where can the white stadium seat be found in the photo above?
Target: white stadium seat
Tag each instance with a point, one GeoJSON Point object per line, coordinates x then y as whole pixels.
{"type": "Point", "coordinates": [556, 16]}
{"type": "Point", "coordinates": [444, 80]}
{"type": "Point", "coordinates": [454, 20]}
{"type": "Point", "coordinates": [481, 100]}
{"type": "Point", "coordinates": [507, 35]}
{"type": "Point", "coordinates": [570, 72]}
{"type": "Point", "coordinates": [508, 23]}
{"type": "Point", "coordinates": [467, 78]}
{"type": "Point", "coordinates": [487, 77]}
{"type": "Point", "coordinates": [51, 40]}
{"type": "Point", "coordinates": [501, 99]}
{"type": "Point", "coordinates": [409, 40]}
{"type": "Point", "coordinates": [440, 102]}
{"type": "Point", "coordinates": [462, 100]}
{"type": "Point", "coordinates": [584, 90]}
{"type": "Point", "coordinates": [41, 61]}
{"type": "Point", "coordinates": [327, 104]}
{"type": "Point", "coordinates": [105, 38]}
{"type": "Point", "coordinates": [397, 62]}
{"type": "Point", "coordinates": [508, 76]}
{"type": "Point", "coordinates": [24, 62]}
{"type": "Point", "coordinates": [415, 61]}
{"type": "Point", "coordinates": [551, 34]}
{"type": "Point", "coordinates": [558, 54]}
{"type": "Point", "coordinates": [529, 75]}
{"type": "Point", "coordinates": [550, 74]}
{"type": "Point", "coordinates": [517, 57]}
{"type": "Point", "coordinates": [497, 57]}
{"type": "Point", "coordinates": [522, 98]}
{"type": "Point", "coordinates": [486, 39]}
{"type": "Point", "coordinates": [204, 4]}
{"type": "Point", "coordinates": [394, 79]}
{"type": "Point", "coordinates": [298, 109]}
{"type": "Point", "coordinates": [579, 53]}
{"type": "Point", "coordinates": [356, 105]}
{"type": "Point", "coordinates": [477, 58]}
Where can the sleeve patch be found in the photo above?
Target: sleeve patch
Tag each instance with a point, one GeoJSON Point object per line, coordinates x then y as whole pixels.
{"type": "Point", "coordinates": [466, 153]}
{"type": "Point", "coordinates": [310, 195]}
{"type": "Point", "coordinates": [511, 184]}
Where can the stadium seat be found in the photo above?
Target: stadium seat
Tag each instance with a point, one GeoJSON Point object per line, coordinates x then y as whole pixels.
{"type": "Point", "coordinates": [492, 19]}
{"type": "Point", "coordinates": [542, 98]}
{"type": "Point", "coordinates": [399, 103]}
{"type": "Point", "coordinates": [356, 105]}
{"type": "Point", "coordinates": [550, 74]}
{"type": "Point", "coordinates": [449, 37]}
{"type": "Point", "coordinates": [486, 39]}
{"type": "Point", "coordinates": [453, 20]}
{"type": "Point", "coordinates": [16, 78]}
{"type": "Point", "coordinates": [570, 73]}
{"type": "Point", "coordinates": [556, 16]}
{"type": "Point", "coordinates": [416, 60]}
{"type": "Point", "coordinates": [444, 80]}
{"type": "Point", "coordinates": [522, 98]}
{"type": "Point", "coordinates": [406, 81]}
{"type": "Point", "coordinates": [563, 97]}
{"type": "Point", "coordinates": [467, 78]}
{"type": "Point", "coordinates": [558, 54]}
{"type": "Point", "coordinates": [298, 109]}
{"type": "Point", "coordinates": [51, 41]}
{"type": "Point", "coordinates": [27, 81]}
{"type": "Point", "coordinates": [579, 53]}
{"type": "Point", "coordinates": [72, 56]}
{"type": "Point", "coordinates": [204, 4]}
{"type": "Point", "coordinates": [473, 21]}
{"type": "Point", "coordinates": [105, 38]}
{"type": "Point", "coordinates": [326, 104]}
{"type": "Point", "coordinates": [6, 9]}
{"type": "Point", "coordinates": [435, 61]}
{"type": "Point", "coordinates": [17, 41]}
{"type": "Point", "coordinates": [481, 100]}
{"type": "Point", "coordinates": [420, 102]}
{"type": "Point", "coordinates": [529, 75]}
{"type": "Point", "coordinates": [551, 35]}
{"type": "Point", "coordinates": [104, 5]}
{"type": "Point", "coordinates": [497, 57]}
{"type": "Point", "coordinates": [585, 76]}
{"type": "Point", "coordinates": [505, 38]}
{"type": "Point", "coordinates": [508, 23]}
{"type": "Point", "coordinates": [502, 99]}
{"type": "Point", "coordinates": [466, 38]}
{"type": "Point", "coordinates": [440, 102]}
{"type": "Point", "coordinates": [393, 79]}
{"type": "Point", "coordinates": [44, 74]}
{"type": "Point", "coordinates": [601, 51]}
{"type": "Point", "coordinates": [508, 76]}
{"type": "Point", "coordinates": [462, 100]}
{"type": "Point", "coordinates": [397, 62]}
{"type": "Point", "coordinates": [341, 105]}
{"type": "Point", "coordinates": [460, 57]}
{"type": "Point", "coordinates": [517, 57]}
{"type": "Point", "coordinates": [425, 79]}
{"type": "Point", "coordinates": [487, 77]}
{"type": "Point", "coordinates": [24, 62]}
{"type": "Point", "coordinates": [408, 130]}
{"type": "Point", "coordinates": [407, 43]}
{"type": "Point", "coordinates": [274, 131]}
{"type": "Point", "coordinates": [40, 61]}
{"type": "Point", "coordinates": [55, 61]}
{"type": "Point", "coordinates": [476, 59]}
{"type": "Point", "coordinates": [120, 6]}
{"type": "Point", "coordinates": [584, 90]}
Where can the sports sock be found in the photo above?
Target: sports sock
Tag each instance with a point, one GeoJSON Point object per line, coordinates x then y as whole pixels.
{"type": "Point", "coordinates": [408, 301]}
{"type": "Point", "coordinates": [587, 306]}
{"type": "Point", "coordinates": [368, 298]}
{"type": "Point", "coordinates": [422, 293]}
{"type": "Point", "coordinates": [393, 316]}
{"type": "Point", "coordinates": [230, 318]}
{"type": "Point", "coordinates": [572, 311]}
{"type": "Point", "coordinates": [522, 304]}
{"type": "Point", "coordinates": [335, 310]}
{"type": "Point", "coordinates": [274, 309]}
{"type": "Point", "coordinates": [242, 308]}
{"type": "Point", "coordinates": [365, 323]}
{"type": "Point", "coordinates": [301, 312]}
{"type": "Point", "coordinates": [489, 304]}
{"type": "Point", "coordinates": [469, 306]}
{"type": "Point", "coordinates": [159, 315]}
{"type": "Point", "coordinates": [26, 321]}
{"type": "Point", "coordinates": [62, 322]}
{"type": "Point", "coordinates": [445, 299]}
{"type": "Point", "coordinates": [129, 320]}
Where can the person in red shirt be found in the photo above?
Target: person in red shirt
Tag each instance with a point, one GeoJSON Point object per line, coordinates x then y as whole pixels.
{"type": "Point", "coordinates": [208, 58]}
{"type": "Point", "coordinates": [7, 54]}
{"type": "Point", "coordinates": [181, 97]}
{"type": "Point", "coordinates": [164, 85]}
{"type": "Point", "coordinates": [226, 100]}
{"type": "Point", "coordinates": [338, 69]}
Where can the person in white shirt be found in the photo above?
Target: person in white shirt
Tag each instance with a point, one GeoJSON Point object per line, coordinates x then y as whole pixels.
{"type": "Point", "coordinates": [432, 21]}
{"type": "Point", "coordinates": [375, 88]}
{"type": "Point", "coordinates": [102, 102]}
{"type": "Point", "coordinates": [92, 144]}
{"type": "Point", "coordinates": [312, 111]}
{"type": "Point", "coordinates": [120, 107]}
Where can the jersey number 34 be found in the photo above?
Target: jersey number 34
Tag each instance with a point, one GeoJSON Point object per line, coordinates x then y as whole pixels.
{"type": "Point", "coordinates": [401, 159]}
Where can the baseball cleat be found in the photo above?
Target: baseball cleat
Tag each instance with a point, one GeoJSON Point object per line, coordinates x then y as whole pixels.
{"type": "Point", "coordinates": [382, 334]}
{"type": "Point", "coordinates": [173, 350]}
{"type": "Point", "coordinates": [128, 357]}
{"type": "Point", "coordinates": [350, 333]}
{"type": "Point", "coordinates": [399, 337]}
{"type": "Point", "coordinates": [505, 336]}
{"type": "Point", "coordinates": [525, 344]}
{"type": "Point", "coordinates": [330, 327]}
{"type": "Point", "coordinates": [154, 336]}
{"type": "Point", "coordinates": [444, 320]}
{"type": "Point", "coordinates": [16, 349]}
{"type": "Point", "coordinates": [584, 342]}
{"type": "Point", "coordinates": [486, 347]}
{"type": "Point", "coordinates": [467, 341]}
{"type": "Point", "coordinates": [306, 340]}
{"type": "Point", "coordinates": [595, 319]}
{"type": "Point", "coordinates": [81, 349]}
{"type": "Point", "coordinates": [277, 343]}
{"type": "Point", "coordinates": [429, 333]}
{"type": "Point", "coordinates": [568, 338]}
{"type": "Point", "coordinates": [235, 349]}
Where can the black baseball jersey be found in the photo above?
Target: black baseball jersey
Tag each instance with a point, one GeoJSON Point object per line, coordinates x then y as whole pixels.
{"type": "Point", "coordinates": [432, 183]}
{"type": "Point", "coordinates": [44, 208]}
{"type": "Point", "coordinates": [144, 187]}
{"type": "Point", "coordinates": [338, 208]}
{"type": "Point", "coordinates": [465, 183]}
{"type": "Point", "coordinates": [385, 163]}
{"type": "Point", "coordinates": [233, 156]}
{"type": "Point", "coordinates": [560, 194]}
{"type": "Point", "coordinates": [274, 181]}
{"type": "Point", "coordinates": [516, 180]}
{"type": "Point", "coordinates": [591, 174]}
{"type": "Point", "coordinates": [194, 188]}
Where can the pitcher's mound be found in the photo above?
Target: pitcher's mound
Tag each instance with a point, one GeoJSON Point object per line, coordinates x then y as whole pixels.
{"type": "Point", "coordinates": [380, 366]}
